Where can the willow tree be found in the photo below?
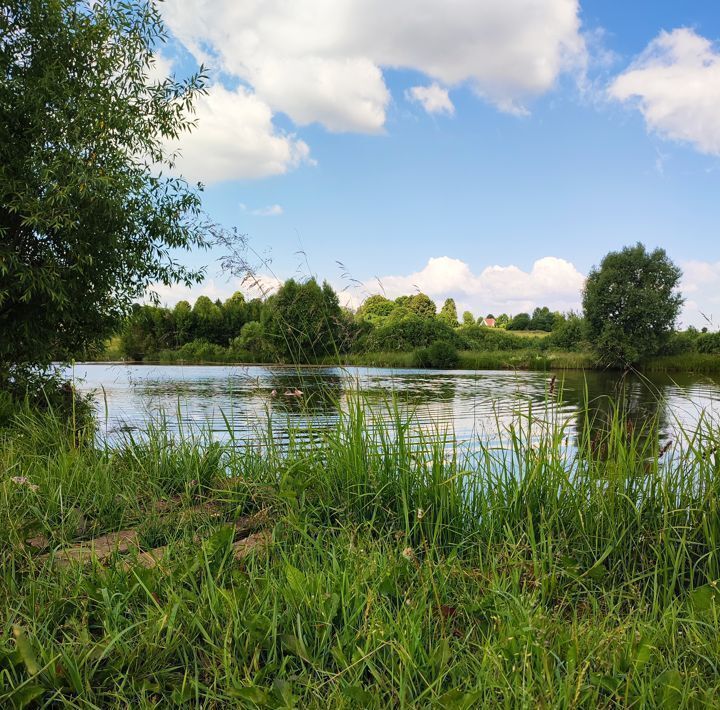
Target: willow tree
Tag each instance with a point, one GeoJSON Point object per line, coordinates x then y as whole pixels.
{"type": "Point", "coordinates": [89, 217]}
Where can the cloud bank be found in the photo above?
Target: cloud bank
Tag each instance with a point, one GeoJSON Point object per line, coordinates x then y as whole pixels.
{"type": "Point", "coordinates": [322, 61]}
{"type": "Point", "coordinates": [550, 282]}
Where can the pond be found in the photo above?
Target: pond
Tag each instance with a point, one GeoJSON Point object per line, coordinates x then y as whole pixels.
{"type": "Point", "coordinates": [240, 401]}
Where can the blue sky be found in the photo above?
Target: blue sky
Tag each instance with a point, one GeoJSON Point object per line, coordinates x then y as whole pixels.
{"type": "Point", "coordinates": [492, 152]}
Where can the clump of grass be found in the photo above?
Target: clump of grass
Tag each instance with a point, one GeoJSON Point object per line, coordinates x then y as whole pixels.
{"type": "Point", "coordinates": [687, 362]}
{"type": "Point", "coordinates": [405, 570]}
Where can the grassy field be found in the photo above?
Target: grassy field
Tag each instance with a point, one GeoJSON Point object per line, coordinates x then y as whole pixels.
{"type": "Point", "coordinates": [368, 568]}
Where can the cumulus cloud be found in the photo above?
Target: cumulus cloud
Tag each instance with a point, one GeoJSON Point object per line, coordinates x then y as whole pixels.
{"type": "Point", "coordinates": [434, 98]}
{"type": "Point", "coordinates": [675, 83]}
{"type": "Point", "coordinates": [550, 282]}
{"type": "Point", "coordinates": [236, 139]}
{"type": "Point", "coordinates": [323, 60]}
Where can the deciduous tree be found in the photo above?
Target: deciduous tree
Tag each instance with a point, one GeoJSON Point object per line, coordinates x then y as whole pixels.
{"type": "Point", "coordinates": [88, 215]}
{"type": "Point", "coordinates": [631, 304]}
{"type": "Point", "coordinates": [448, 313]}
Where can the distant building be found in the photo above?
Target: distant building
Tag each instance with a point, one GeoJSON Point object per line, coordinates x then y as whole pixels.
{"type": "Point", "coordinates": [489, 322]}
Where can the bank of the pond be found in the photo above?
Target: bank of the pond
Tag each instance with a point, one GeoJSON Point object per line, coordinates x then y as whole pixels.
{"type": "Point", "coordinates": [362, 569]}
{"type": "Point", "coordinates": [476, 360]}
{"type": "Point", "coordinates": [467, 360]}
{"type": "Point", "coordinates": [690, 362]}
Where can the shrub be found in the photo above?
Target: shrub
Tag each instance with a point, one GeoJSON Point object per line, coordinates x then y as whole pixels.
{"type": "Point", "coordinates": [202, 350]}
{"type": "Point", "coordinates": [709, 343]}
{"type": "Point", "coordinates": [680, 343]}
{"type": "Point", "coordinates": [569, 335]}
{"type": "Point", "coordinates": [45, 390]}
{"type": "Point", "coordinates": [441, 355]}
{"type": "Point", "coordinates": [411, 332]}
{"type": "Point", "coordinates": [477, 337]}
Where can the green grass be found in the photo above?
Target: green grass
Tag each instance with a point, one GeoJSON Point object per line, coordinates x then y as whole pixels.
{"type": "Point", "coordinates": [474, 360]}
{"type": "Point", "coordinates": [524, 360]}
{"type": "Point", "coordinates": [689, 362]}
{"type": "Point", "coordinates": [529, 333]}
{"type": "Point", "coordinates": [401, 573]}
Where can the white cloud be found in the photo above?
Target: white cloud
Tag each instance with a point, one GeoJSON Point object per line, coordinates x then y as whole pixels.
{"type": "Point", "coordinates": [676, 84]}
{"type": "Point", "coordinates": [550, 282]}
{"type": "Point", "coordinates": [269, 211]}
{"type": "Point", "coordinates": [160, 68]}
{"type": "Point", "coordinates": [434, 98]}
{"type": "Point", "coordinates": [236, 139]}
{"type": "Point", "coordinates": [322, 60]}
{"type": "Point", "coordinates": [701, 287]}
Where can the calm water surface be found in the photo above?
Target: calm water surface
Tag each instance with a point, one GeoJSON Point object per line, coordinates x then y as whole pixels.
{"type": "Point", "coordinates": [471, 405]}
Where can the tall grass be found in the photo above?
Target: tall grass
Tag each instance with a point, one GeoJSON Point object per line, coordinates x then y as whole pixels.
{"type": "Point", "coordinates": [557, 569]}
{"type": "Point", "coordinates": [473, 360]}
{"type": "Point", "coordinates": [687, 362]}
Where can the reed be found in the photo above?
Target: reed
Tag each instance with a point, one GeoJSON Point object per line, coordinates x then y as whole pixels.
{"type": "Point", "coordinates": [687, 362]}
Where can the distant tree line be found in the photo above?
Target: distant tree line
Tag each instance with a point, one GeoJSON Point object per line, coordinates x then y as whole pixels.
{"type": "Point", "coordinates": [304, 321]}
{"type": "Point", "coordinates": [630, 308]}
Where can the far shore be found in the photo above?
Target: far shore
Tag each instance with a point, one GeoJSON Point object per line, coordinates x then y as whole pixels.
{"type": "Point", "coordinates": [468, 360]}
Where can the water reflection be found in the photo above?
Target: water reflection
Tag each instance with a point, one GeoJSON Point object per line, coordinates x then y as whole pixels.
{"type": "Point", "coordinates": [483, 405]}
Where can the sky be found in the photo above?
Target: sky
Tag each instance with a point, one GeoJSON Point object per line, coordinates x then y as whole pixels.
{"type": "Point", "coordinates": [491, 151]}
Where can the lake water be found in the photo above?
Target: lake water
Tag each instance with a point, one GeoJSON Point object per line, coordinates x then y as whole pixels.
{"type": "Point", "coordinates": [471, 405]}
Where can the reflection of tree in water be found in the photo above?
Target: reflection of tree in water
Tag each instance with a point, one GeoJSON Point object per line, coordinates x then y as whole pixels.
{"type": "Point", "coordinates": [321, 392]}
{"type": "Point", "coordinates": [414, 390]}
{"type": "Point", "coordinates": [630, 405]}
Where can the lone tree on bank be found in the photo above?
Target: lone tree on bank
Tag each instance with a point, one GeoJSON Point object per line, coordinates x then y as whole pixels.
{"type": "Point", "coordinates": [631, 304]}
{"type": "Point", "coordinates": [87, 219]}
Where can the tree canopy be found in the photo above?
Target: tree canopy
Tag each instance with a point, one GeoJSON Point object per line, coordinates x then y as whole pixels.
{"type": "Point", "coordinates": [631, 304]}
{"type": "Point", "coordinates": [304, 320]}
{"type": "Point", "coordinates": [87, 218]}
{"type": "Point", "coordinates": [521, 321]}
{"type": "Point", "coordinates": [448, 313]}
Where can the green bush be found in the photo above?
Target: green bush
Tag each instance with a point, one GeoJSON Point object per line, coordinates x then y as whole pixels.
{"type": "Point", "coordinates": [681, 343]}
{"type": "Point", "coordinates": [30, 389]}
{"type": "Point", "coordinates": [570, 334]}
{"type": "Point", "coordinates": [441, 355]}
{"type": "Point", "coordinates": [478, 337]}
{"type": "Point", "coordinates": [709, 343]}
{"type": "Point", "coordinates": [410, 333]}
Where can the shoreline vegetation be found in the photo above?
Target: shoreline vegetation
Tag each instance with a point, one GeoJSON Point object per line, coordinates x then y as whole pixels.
{"type": "Point", "coordinates": [303, 323]}
{"type": "Point", "coordinates": [700, 363]}
{"type": "Point", "coordinates": [369, 566]}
